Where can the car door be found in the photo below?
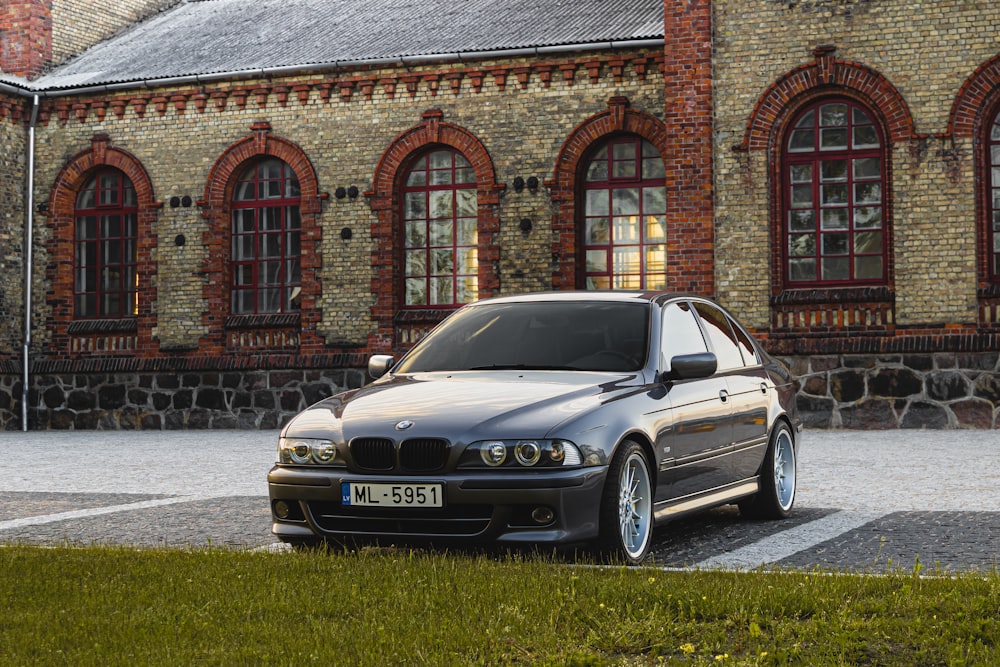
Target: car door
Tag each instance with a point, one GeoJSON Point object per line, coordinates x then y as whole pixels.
{"type": "Point", "coordinates": [746, 382]}
{"type": "Point", "coordinates": [693, 448]}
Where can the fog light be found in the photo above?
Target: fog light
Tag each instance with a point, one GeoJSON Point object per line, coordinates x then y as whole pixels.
{"type": "Point", "coordinates": [493, 453]}
{"type": "Point", "coordinates": [542, 515]}
{"type": "Point", "coordinates": [282, 510]}
{"type": "Point", "coordinates": [527, 452]}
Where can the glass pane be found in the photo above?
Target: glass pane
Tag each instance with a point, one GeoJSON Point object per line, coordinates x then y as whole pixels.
{"type": "Point", "coordinates": [442, 261]}
{"type": "Point", "coordinates": [860, 117]}
{"type": "Point", "coordinates": [242, 301]}
{"type": "Point", "coordinates": [416, 206]}
{"type": "Point", "coordinates": [656, 259]}
{"type": "Point", "coordinates": [112, 252]}
{"type": "Point", "coordinates": [835, 244]}
{"type": "Point", "coordinates": [467, 231]}
{"type": "Point", "coordinates": [85, 199]}
{"type": "Point", "coordinates": [598, 203]}
{"type": "Point", "coordinates": [269, 245]}
{"type": "Point", "coordinates": [293, 271]}
{"type": "Point", "coordinates": [597, 261]}
{"type": "Point", "coordinates": [867, 193]}
{"type": "Point", "coordinates": [833, 170]}
{"type": "Point", "coordinates": [833, 115]}
{"type": "Point", "coordinates": [597, 231]}
{"type": "Point", "coordinates": [654, 200]}
{"type": "Point", "coordinates": [868, 167]}
{"type": "Point", "coordinates": [801, 173]}
{"type": "Point", "coordinates": [802, 269]}
{"type": "Point", "coordinates": [802, 196]}
{"type": "Point", "coordinates": [467, 261]}
{"type": "Point", "coordinates": [598, 282]}
{"type": "Point", "coordinates": [807, 120]}
{"type": "Point", "coordinates": [441, 290]}
{"type": "Point", "coordinates": [597, 170]}
{"type": "Point", "coordinates": [867, 217]}
{"type": "Point", "coordinates": [86, 227]}
{"type": "Point", "coordinates": [242, 248]}
{"type": "Point", "coordinates": [995, 132]}
{"type": "Point", "coordinates": [466, 289]}
{"type": "Point", "coordinates": [802, 245]}
{"type": "Point", "coordinates": [270, 219]}
{"type": "Point", "coordinates": [656, 228]}
{"type": "Point", "coordinates": [802, 140]}
{"type": "Point", "coordinates": [441, 159]}
{"type": "Point", "coordinates": [465, 175]}
{"type": "Point", "coordinates": [865, 137]}
{"type": "Point", "coordinates": [466, 202]}
{"type": "Point", "coordinates": [111, 225]}
{"type": "Point", "coordinates": [834, 218]}
{"type": "Point", "coordinates": [624, 151]}
{"type": "Point", "coordinates": [868, 242]}
{"type": "Point", "coordinates": [269, 300]}
{"type": "Point", "coordinates": [653, 168]}
{"type": "Point", "coordinates": [128, 194]}
{"type": "Point", "coordinates": [269, 273]}
{"type": "Point", "coordinates": [293, 247]}
{"type": "Point", "coordinates": [802, 221]}
{"type": "Point", "coordinates": [624, 169]}
{"type": "Point", "coordinates": [835, 193]}
{"type": "Point", "coordinates": [293, 220]}
{"type": "Point", "coordinates": [833, 139]}
{"type": "Point", "coordinates": [626, 229]}
{"type": "Point", "coordinates": [441, 204]}
{"type": "Point", "coordinates": [868, 268]}
{"type": "Point", "coordinates": [441, 177]}
{"type": "Point", "coordinates": [627, 281]}
{"type": "Point", "coordinates": [625, 201]}
{"type": "Point", "coordinates": [441, 233]}
{"type": "Point", "coordinates": [243, 220]}
{"type": "Point", "coordinates": [416, 179]}
{"type": "Point", "coordinates": [242, 274]}
{"type": "Point", "coordinates": [416, 234]}
{"type": "Point", "coordinates": [131, 227]}
{"type": "Point", "coordinates": [656, 281]}
{"type": "Point", "coordinates": [292, 190]}
{"type": "Point", "coordinates": [996, 177]}
{"type": "Point", "coordinates": [836, 268]}
{"type": "Point", "coordinates": [416, 262]}
{"type": "Point", "coordinates": [416, 292]}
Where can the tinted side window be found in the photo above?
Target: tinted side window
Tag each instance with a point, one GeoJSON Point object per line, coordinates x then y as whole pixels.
{"type": "Point", "coordinates": [721, 335]}
{"type": "Point", "coordinates": [680, 334]}
{"type": "Point", "coordinates": [746, 346]}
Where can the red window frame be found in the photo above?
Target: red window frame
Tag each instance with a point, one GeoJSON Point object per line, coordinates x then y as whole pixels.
{"type": "Point", "coordinates": [265, 234]}
{"type": "Point", "coordinates": [440, 231]}
{"type": "Point", "coordinates": [992, 145]}
{"type": "Point", "coordinates": [834, 195]}
{"type": "Point", "coordinates": [105, 278]}
{"type": "Point", "coordinates": [623, 238]}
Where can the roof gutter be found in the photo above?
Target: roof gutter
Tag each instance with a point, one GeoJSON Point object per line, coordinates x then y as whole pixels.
{"type": "Point", "coordinates": [268, 72]}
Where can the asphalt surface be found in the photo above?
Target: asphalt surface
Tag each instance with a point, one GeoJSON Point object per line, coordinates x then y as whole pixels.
{"type": "Point", "coordinates": [867, 501]}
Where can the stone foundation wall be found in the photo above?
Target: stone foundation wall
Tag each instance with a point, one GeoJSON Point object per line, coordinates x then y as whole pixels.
{"type": "Point", "coordinates": [170, 401]}
{"type": "Point", "coordinates": [941, 390]}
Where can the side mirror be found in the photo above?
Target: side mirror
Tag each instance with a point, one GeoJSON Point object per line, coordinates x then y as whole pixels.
{"type": "Point", "coordinates": [691, 366]}
{"type": "Point", "coordinates": [379, 365]}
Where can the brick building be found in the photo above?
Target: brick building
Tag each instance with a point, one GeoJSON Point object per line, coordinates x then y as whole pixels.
{"type": "Point", "coordinates": [233, 204]}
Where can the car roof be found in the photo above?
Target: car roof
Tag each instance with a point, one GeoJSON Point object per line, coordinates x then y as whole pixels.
{"type": "Point", "coordinates": [585, 296]}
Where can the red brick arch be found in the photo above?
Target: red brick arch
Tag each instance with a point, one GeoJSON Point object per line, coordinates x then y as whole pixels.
{"type": "Point", "coordinates": [618, 119]}
{"type": "Point", "coordinates": [979, 94]}
{"type": "Point", "coordinates": [216, 210]}
{"type": "Point", "coordinates": [385, 203]}
{"type": "Point", "coordinates": [827, 76]}
{"type": "Point", "coordinates": [62, 223]}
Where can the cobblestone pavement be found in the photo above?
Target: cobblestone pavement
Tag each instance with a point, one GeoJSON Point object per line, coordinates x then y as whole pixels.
{"type": "Point", "coordinates": [867, 501]}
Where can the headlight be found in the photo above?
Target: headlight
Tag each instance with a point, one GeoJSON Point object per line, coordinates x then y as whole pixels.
{"type": "Point", "coordinates": [306, 451]}
{"type": "Point", "coordinates": [521, 454]}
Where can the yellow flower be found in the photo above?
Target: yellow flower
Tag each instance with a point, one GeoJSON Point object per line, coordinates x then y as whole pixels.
{"type": "Point", "coordinates": [720, 658]}
{"type": "Point", "coordinates": [687, 649]}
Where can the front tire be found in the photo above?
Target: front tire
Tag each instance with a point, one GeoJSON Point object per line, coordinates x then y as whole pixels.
{"type": "Point", "coordinates": [776, 495]}
{"type": "Point", "coordinates": [626, 520]}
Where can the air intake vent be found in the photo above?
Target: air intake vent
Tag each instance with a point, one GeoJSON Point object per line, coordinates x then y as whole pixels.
{"type": "Point", "coordinates": [423, 454]}
{"type": "Point", "coordinates": [373, 453]}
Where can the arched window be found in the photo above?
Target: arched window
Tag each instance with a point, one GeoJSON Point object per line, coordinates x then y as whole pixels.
{"type": "Point", "coordinates": [834, 197]}
{"type": "Point", "coordinates": [105, 278]}
{"type": "Point", "coordinates": [440, 231]}
{"type": "Point", "coordinates": [993, 219]}
{"type": "Point", "coordinates": [625, 217]}
{"type": "Point", "coordinates": [266, 230]}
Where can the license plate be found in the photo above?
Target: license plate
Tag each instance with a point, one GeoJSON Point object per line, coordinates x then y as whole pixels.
{"type": "Point", "coordinates": [369, 494]}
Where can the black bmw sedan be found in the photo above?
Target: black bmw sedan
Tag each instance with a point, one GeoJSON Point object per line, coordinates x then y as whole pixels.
{"type": "Point", "coordinates": [546, 419]}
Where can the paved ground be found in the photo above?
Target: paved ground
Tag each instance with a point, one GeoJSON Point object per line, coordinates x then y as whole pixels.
{"type": "Point", "coordinates": [867, 500]}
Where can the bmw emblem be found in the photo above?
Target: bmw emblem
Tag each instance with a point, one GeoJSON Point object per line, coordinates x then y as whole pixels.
{"type": "Point", "coordinates": [403, 425]}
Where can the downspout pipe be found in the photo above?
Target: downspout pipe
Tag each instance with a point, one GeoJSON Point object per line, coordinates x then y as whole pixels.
{"type": "Point", "coordinates": [29, 242]}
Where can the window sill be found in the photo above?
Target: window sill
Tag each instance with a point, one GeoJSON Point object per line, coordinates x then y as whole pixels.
{"type": "Point", "coordinates": [826, 295]}
{"type": "Point", "coordinates": [264, 321]}
{"type": "Point", "coordinates": [85, 327]}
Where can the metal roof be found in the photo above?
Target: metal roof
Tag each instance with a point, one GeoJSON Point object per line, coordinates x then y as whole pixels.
{"type": "Point", "coordinates": [199, 38]}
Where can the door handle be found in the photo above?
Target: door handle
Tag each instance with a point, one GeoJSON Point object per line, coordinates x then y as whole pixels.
{"type": "Point", "coordinates": [723, 395]}
{"type": "Point", "coordinates": [763, 387]}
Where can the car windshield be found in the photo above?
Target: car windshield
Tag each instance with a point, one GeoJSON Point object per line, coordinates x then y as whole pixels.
{"type": "Point", "coordinates": [537, 335]}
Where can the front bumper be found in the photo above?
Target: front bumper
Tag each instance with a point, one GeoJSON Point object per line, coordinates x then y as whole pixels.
{"type": "Point", "coordinates": [478, 507]}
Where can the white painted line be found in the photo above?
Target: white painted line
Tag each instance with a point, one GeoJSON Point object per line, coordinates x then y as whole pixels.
{"type": "Point", "coordinates": [96, 511]}
{"type": "Point", "coordinates": [773, 548]}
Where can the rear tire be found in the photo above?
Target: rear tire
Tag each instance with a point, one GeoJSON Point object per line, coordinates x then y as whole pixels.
{"type": "Point", "coordinates": [776, 495]}
{"type": "Point", "coordinates": [626, 519]}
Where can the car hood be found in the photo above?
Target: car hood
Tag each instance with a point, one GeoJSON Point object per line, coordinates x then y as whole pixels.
{"type": "Point", "coordinates": [460, 406]}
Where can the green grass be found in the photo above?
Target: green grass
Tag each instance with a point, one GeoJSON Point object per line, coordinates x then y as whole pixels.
{"type": "Point", "coordinates": [112, 606]}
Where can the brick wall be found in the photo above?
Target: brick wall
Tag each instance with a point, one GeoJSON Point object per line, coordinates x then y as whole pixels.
{"type": "Point", "coordinates": [12, 221]}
